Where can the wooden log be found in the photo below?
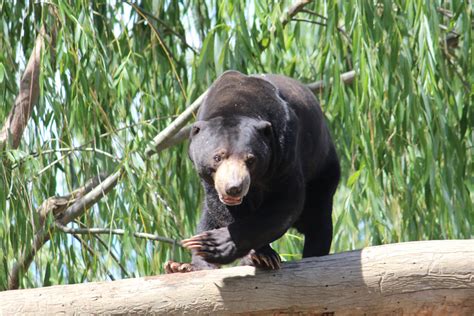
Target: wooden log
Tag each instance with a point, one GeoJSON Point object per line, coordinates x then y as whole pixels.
{"type": "Point", "coordinates": [425, 277]}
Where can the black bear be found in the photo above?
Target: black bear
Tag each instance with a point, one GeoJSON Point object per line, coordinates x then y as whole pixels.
{"type": "Point", "coordinates": [267, 163]}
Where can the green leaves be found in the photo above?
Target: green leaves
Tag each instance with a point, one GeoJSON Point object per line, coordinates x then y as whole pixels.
{"type": "Point", "coordinates": [403, 129]}
{"type": "Point", "coordinates": [2, 72]}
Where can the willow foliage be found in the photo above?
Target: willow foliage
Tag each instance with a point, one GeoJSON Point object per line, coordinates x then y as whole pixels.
{"type": "Point", "coordinates": [119, 74]}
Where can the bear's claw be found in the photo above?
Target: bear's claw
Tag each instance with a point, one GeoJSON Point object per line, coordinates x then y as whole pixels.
{"type": "Point", "coordinates": [178, 267]}
{"type": "Point", "coordinates": [215, 246]}
{"type": "Point", "coordinates": [270, 261]}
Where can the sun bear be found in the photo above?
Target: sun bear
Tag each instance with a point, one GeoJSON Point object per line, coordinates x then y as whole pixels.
{"type": "Point", "coordinates": [267, 163]}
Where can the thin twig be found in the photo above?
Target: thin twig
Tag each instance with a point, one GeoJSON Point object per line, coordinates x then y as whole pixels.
{"type": "Point", "coordinates": [338, 28]}
{"type": "Point", "coordinates": [112, 231]}
{"type": "Point", "coordinates": [465, 83]}
{"type": "Point", "coordinates": [314, 13]}
{"type": "Point", "coordinates": [309, 21]}
{"type": "Point", "coordinates": [69, 151]}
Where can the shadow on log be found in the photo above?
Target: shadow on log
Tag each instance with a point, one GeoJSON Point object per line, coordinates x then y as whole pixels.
{"type": "Point", "coordinates": [422, 277]}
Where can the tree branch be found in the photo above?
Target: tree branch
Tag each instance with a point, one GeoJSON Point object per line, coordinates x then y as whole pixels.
{"type": "Point", "coordinates": [293, 10]}
{"type": "Point", "coordinates": [28, 95]}
{"type": "Point", "coordinates": [318, 86]}
{"type": "Point", "coordinates": [424, 277]}
{"type": "Point", "coordinates": [170, 135]}
{"type": "Point", "coordinates": [111, 231]}
{"type": "Point", "coordinates": [309, 21]}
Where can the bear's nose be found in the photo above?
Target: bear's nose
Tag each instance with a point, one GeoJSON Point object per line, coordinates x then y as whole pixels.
{"type": "Point", "coordinates": [234, 190]}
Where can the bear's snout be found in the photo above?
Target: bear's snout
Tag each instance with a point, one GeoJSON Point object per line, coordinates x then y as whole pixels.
{"type": "Point", "coordinates": [232, 181]}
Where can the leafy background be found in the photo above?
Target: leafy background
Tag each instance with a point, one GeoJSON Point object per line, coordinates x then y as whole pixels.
{"type": "Point", "coordinates": [121, 73]}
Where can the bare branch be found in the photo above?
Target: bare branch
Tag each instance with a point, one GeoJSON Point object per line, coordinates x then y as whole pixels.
{"type": "Point", "coordinates": [318, 86]}
{"type": "Point", "coordinates": [314, 13]}
{"type": "Point", "coordinates": [309, 21]}
{"type": "Point", "coordinates": [293, 10]}
{"type": "Point", "coordinates": [340, 29]}
{"type": "Point", "coordinates": [27, 98]}
{"type": "Point", "coordinates": [166, 135]}
{"type": "Point", "coordinates": [102, 187]}
{"type": "Point", "coordinates": [447, 13]}
{"type": "Point", "coordinates": [110, 231]}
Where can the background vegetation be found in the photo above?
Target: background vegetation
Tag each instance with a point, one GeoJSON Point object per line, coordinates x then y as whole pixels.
{"type": "Point", "coordinates": [118, 74]}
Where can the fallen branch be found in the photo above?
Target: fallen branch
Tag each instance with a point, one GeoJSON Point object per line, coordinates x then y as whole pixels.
{"type": "Point", "coordinates": [425, 277]}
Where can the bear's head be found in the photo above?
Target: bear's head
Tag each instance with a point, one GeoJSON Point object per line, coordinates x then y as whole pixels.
{"type": "Point", "coordinates": [231, 153]}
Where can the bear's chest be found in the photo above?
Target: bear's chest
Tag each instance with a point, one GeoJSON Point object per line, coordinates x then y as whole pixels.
{"type": "Point", "coordinates": [225, 215]}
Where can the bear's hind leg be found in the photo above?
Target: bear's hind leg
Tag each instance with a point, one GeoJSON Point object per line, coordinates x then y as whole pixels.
{"type": "Point", "coordinates": [315, 221]}
{"type": "Point", "coordinates": [318, 230]}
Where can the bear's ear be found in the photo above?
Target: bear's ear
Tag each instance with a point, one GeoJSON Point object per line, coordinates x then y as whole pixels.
{"type": "Point", "coordinates": [265, 128]}
{"type": "Point", "coordinates": [196, 128]}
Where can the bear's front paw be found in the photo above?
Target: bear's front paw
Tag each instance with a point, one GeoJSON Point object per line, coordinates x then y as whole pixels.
{"type": "Point", "coordinates": [215, 246]}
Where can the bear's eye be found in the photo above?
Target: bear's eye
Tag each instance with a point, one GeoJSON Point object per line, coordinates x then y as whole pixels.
{"type": "Point", "coordinates": [217, 158]}
{"type": "Point", "coordinates": [250, 160]}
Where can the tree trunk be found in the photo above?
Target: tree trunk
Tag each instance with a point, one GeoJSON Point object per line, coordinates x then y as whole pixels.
{"type": "Point", "coordinates": [423, 277]}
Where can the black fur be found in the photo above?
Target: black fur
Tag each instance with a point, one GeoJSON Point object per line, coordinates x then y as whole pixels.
{"type": "Point", "coordinates": [293, 178]}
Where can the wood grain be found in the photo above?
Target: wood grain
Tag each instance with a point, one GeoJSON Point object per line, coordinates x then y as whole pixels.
{"type": "Point", "coordinates": [425, 277]}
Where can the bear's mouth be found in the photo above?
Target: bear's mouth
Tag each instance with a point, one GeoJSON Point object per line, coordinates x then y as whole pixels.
{"type": "Point", "coordinates": [230, 200]}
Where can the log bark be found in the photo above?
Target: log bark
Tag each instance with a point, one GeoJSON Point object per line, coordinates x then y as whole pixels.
{"type": "Point", "coordinates": [426, 277]}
